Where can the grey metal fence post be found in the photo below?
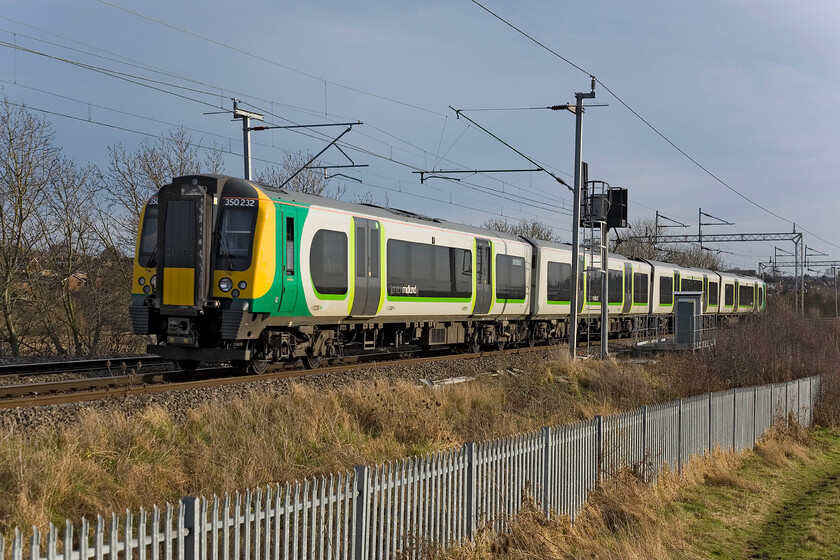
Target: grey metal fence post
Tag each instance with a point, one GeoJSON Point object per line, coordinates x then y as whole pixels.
{"type": "Point", "coordinates": [599, 449]}
{"type": "Point", "coordinates": [787, 403]}
{"type": "Point", "coordinates": [734, 420]}
{"type": "Point", "coordinates": [645, 449]}
{"type": "Point", "coordinates": [711, 449]}
{"type": "Point", "coordinates": [546, 486]}
{"type": "Point", "coordinates": [755, 415]}
{"type": "Point", "coordinates": [361, 514]}
{"type": "Point", "coordinates": [679, 437]}
{"type": "Point", "coordinates": [469, 474]}
{"type": "Point", "coordinates": [191, 540]}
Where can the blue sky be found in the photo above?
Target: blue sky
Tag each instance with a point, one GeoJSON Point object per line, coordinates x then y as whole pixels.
{"type": "Point", "coordinates": [747, 88]}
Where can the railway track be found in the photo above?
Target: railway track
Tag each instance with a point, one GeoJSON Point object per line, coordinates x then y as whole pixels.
{"type": "Point", "coordinates": [80, 366]}
{"type": "Point", "coordinates": [132, 384]}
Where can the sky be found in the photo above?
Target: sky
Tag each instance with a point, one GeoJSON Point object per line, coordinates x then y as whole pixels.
{"type": "Point", "coordinates": [746, 88]}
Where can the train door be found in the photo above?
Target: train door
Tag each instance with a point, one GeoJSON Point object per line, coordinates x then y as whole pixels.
{"type": "Point", "coordinates": [628, 288]}
{"type": "Point", "coordinates": [289, 292]}
{"type": "Point", "coordinates": [736, 294]}
{"type": "Point", "coordinates": [705, 306]}
{"type": "Point", "coordinates": [483, 277]}
{"type": "Point", "coordinates": [677, 286]}
{"type": "Point", "coordinates": [367, 280]}
{"type": "Point", "coordinates": [183, 241]}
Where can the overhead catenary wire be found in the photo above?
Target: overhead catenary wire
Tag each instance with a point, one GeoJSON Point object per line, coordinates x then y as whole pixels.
{"type": "Point", "coordinates": [268, 60]}
{"type": "Point", "coordinates": [471, 186]}
{"type": "Point", "coordinates": [649, 125]}
{"type": "Point", "coordinates": [556, 178]}
{"type": "Point", "coordinates": [148, 67]}
{"type": "Point", "coordinates": [133, 78]}
{"type": "Point", "coordinates": [401, 139]}
{"type": "Point", "coordinates": [137, 80]}
{"type": "Point", "coordinates": [416, 168]}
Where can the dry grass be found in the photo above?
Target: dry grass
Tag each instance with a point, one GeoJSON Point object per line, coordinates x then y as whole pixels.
{"type": "Point", "coordinates": [628, 519]}
{"type": "Point", "coordinates": [111, 461]}
{"type": "Point", "coordinates": [774, 347]}
{"type": "Point", "coordinates": [783, 445]}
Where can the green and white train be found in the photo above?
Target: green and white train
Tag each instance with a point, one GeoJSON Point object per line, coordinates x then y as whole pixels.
{"type": "Point", "coordinates": [228, 270]}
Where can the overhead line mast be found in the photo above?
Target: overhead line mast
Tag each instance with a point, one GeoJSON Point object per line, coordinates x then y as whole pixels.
{"type": "Point", "coordinates": [246, 117]}
{"type": "Point", "coordinates": [573, 311]}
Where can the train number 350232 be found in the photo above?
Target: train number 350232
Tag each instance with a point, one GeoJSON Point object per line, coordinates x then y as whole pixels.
{"type": "Point", "coordinates": [240, 202]}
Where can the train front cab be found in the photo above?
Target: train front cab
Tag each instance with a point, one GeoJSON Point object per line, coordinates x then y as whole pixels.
{"type": "Point", "coordinates": [213, 257]}
{"type": "Point", "coordinates": [171, 265]}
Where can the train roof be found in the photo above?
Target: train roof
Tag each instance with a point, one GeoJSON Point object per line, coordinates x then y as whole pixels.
{"type": "Point", "coordinates": [568, 247]}
{"type": "Point", "coordinates": [382, 212]}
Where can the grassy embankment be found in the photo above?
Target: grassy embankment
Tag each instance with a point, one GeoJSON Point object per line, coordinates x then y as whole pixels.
{"type": "Point", "coordinates": [110, 462]}
{"type": "Point", "coordinates": [780, 501]}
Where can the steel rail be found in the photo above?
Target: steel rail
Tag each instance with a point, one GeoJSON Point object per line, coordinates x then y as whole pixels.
{"type": "Point", "coordinates": [85, 390]}
{"type": "Point", "coordinates": [73, 366]}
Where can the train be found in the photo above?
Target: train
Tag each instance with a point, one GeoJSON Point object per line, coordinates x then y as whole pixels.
{"type": "Point", "coordinates": [232, 271]}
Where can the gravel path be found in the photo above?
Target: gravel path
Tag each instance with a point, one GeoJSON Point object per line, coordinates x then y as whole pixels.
{"type": "Point", "coordinates": [177, 402]}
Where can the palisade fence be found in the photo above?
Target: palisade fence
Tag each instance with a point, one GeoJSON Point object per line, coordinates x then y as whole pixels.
{"type": "Point", "coordinates": [404, 509]}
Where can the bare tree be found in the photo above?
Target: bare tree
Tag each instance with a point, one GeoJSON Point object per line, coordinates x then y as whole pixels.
{"type": "Point", "coordinates": [30, 163]}
{"type": "Point", "coordinates": [132, 177]}
{"type": "Point", "coordinates": [526, 228]}
{"type": "Point", "coordinates": [639, 241]}
{"type": "Point", "coordinates": [67, 286]}
{"type": "Point", "coordinates": [369, 198]}
{"type": "Point", "coordinates": [643, 242]}
{"type": "Point", "coordinates": [303, 179]}
{"type": "Point", "coordinates": [693, 254]}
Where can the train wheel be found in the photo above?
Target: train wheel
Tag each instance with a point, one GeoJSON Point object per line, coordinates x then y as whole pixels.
{"type": "Point", "coordinates": [531, 340]}
{"type": "Point", "coordinates": [188, 365]}
{"type": "Point", "coordinates": [258, 366]}
{"type": "Point", "coordinates": [500, 345]}
{"type": "Point", "coordinates": [474, 344]}
{"type": "Point", "coordinates": [311, 362]}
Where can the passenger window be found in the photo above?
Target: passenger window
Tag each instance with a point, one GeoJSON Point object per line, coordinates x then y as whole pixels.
{"type": "Point", "coordinates": [290, 246]}
{"type": "Point", "coordinates": [559, 282]}
{"type": "Point", "coordinates": [510, 277]}
{"type": "Point", "coordinates": [616, 290]}
{"type": "Point", "coordinates": [328, 262]}
{"type": "Point", "coordinates": [666, 290]}
{"type": "Point", "coordinates": [361, 265]}
{"type": "Point", "coordinates": [640, 287]}
{"type": "Point", "coordinates": [713, 293]}
{"type": "Point", "coordinates": [374, 253]}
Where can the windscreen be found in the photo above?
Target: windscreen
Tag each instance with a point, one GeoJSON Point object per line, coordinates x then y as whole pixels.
{"type": "Point", "coordinates": [148, 235]}
{"type": "Point", "coordinates": [235, 237]}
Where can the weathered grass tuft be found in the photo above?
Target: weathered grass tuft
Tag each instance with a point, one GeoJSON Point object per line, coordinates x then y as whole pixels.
{"type": "Point", "coordinates": [784, 444]}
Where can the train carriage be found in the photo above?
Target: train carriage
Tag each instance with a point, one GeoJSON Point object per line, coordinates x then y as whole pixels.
{"type": "Point", "coordinates": [252, 273]}
{"type": "Point", "coordinates": [228, 270]}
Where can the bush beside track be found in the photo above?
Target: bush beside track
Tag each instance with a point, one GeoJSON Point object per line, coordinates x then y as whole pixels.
{"type": "Point", "coordinates": [139, 452]}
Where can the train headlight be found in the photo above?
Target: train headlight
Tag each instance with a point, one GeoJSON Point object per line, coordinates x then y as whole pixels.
{"type": "Point", "coordinates": [153, 281]}
{"type": "Point", "coordinates": [141, 281]}
{"type": "Point", "coordinates": [146, 289]}
{"type": "Point", "coordinates": [225, 284]}
{"type": "Point", "coordinates": [235, 293]}
{"type": "Point", "coordinates": [242, 284]}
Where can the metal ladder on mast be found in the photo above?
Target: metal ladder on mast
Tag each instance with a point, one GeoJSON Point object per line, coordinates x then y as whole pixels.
{"type": "Point", "coordinates": [594, 221]}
